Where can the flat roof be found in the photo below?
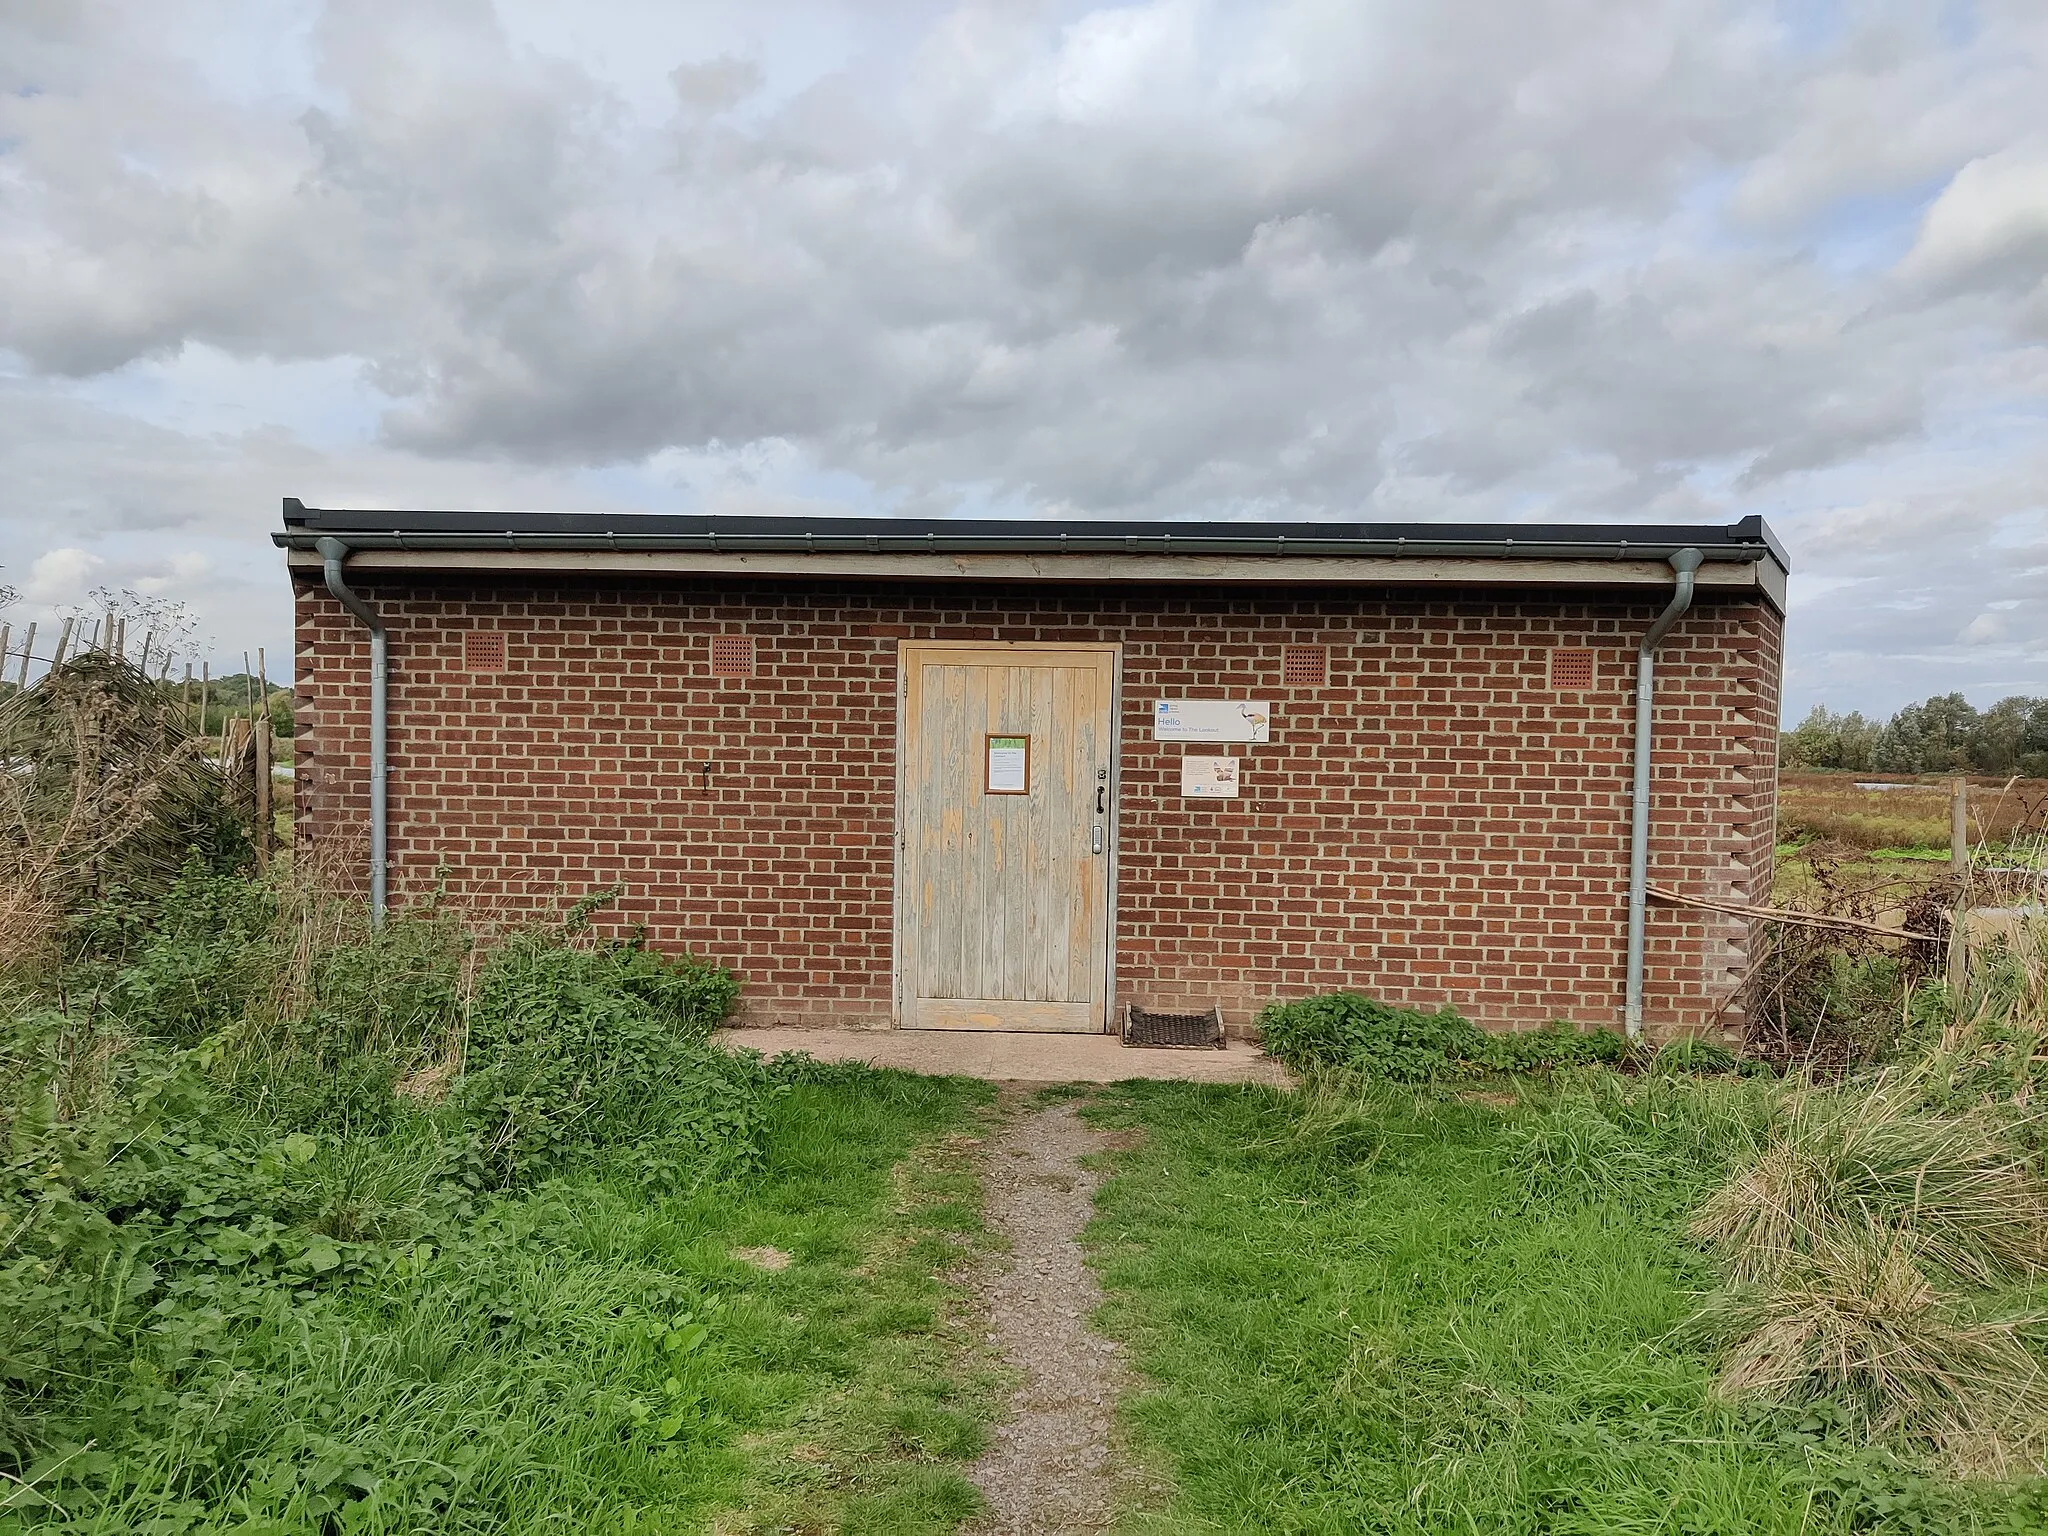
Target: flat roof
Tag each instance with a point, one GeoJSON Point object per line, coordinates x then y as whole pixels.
{"type": "Point", "coordinates": [1739, 555]}
{"type": "Point", "coordinates": [1748, 539]}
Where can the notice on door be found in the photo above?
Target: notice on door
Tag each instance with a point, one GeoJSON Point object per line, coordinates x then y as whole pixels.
{"type": "Point", "coordinates": [1211, 719]}
{"type": "Point", "coordinates": [1009, 766]}
{"type": "Point", "coordinates": [1208, 778]}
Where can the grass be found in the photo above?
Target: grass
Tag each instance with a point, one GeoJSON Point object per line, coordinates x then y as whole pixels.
{"type": "Point", "coordinates": [1958, 1187]}
{"type": "Point", "coordinates": [1830, 806]}
{"type": "Point", "coordinates": [582, 1357]}
{"type": "Point", "coordinates": [1439, 1327]}
{"type": "Point", "coordinates": [1858, 1325]}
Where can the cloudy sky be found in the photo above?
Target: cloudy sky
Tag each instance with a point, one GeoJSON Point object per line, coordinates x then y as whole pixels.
{"type": "Point", "coordinates": [1667, 260]}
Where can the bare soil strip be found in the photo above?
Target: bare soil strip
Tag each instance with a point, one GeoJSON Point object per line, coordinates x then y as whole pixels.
{"type": "Point", "coordinates": [1050, 1467]}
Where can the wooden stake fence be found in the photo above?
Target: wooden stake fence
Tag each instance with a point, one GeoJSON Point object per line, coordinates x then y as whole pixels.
{"type": "Point", "coordinates": [247, 740]}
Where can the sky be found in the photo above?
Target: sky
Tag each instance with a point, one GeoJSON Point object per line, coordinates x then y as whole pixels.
{"type": "Point", "coordinates": [1477, 260]}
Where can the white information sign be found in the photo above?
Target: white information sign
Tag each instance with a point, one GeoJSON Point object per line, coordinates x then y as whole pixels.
{"type": "Point", "coordinates": [1208, 778]}
{"type": "Point", "coordinates": [1210, 719]}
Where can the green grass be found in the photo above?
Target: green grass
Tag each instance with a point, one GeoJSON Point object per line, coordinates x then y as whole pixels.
{"type": "Point", "coordinates": [586, 1357]}
{"type": "Point", "coordinates": [1392, 1334]}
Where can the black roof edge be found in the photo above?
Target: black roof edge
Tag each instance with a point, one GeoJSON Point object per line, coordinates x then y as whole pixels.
{"type": "Point", "coordinates": [1748, 540]}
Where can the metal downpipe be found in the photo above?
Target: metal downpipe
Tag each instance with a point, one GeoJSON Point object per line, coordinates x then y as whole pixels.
{"type": "Point", "coordinates": [1685, 562]}
{"type": "Point", "coordinates": [332, 553]}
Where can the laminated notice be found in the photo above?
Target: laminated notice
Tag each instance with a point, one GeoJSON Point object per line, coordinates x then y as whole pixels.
{"type": "Point", "coordinates": [1208, 778]}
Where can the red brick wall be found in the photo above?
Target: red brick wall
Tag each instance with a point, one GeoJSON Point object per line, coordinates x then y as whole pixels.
{"type": "Point", "coordinates": [1433, 825]}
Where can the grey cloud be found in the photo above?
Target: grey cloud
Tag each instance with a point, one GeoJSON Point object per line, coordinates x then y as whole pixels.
{"type": "Point", "coordinates": [711, 86]}
{"type": "Point", "coordinates": [1562, 256]}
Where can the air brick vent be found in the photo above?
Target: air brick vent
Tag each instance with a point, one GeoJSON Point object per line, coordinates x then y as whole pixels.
{"type": "Point", "coordinates": [1570, 670]}
{"type": "Point", "coordinates": [483, 650]}
{"type": "Point", "coordinates": [732, 655]}
{"type": "Point", "coordinates": [1304, 666]}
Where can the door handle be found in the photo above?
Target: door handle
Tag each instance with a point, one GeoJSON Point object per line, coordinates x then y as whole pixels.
{"type": "Point", "coordinates": [1095, 838]}
{"type": "Point", "coordinates": [1101, 800]}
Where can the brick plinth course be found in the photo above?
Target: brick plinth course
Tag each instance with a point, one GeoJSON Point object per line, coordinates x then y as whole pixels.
{"type": "Point", "coordinates": [1434, 823]}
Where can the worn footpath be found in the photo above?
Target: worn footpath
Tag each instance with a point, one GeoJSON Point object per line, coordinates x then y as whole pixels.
{"type": "Point", "coordinates": [1049, 1467]}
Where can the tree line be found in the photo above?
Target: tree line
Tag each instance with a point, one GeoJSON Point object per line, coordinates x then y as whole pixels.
{"type": "Point", "coordinates": [1944, 734]}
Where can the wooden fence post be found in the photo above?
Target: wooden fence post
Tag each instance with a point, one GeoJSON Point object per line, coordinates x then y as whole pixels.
{"type": "Point", "coordinates": [263, 828]}
{"type": "Point", "coordinates": [1959, 865]}
{"type": "Point", "coordinates": [261, 725]}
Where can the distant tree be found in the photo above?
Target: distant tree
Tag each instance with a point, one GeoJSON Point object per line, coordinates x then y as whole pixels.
{"type": "Point", "coordinates": [1999, 740]}
{"type": "Point", "coordinates": [1825, 739]}
{"type": "Point", "coordinates": [1943, 734]}
{"type": "Point", "coordinates": [1931, 737]}
{"type": "Point", "coordinates": [2034, 744]}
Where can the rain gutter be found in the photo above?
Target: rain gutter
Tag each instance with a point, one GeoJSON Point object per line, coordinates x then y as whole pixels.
{"type": "Point", "coordinates": [720, 541]}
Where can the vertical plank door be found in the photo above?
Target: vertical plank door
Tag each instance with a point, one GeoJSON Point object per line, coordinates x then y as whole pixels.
{"type": "Point", "coordinates": [1002, 909]}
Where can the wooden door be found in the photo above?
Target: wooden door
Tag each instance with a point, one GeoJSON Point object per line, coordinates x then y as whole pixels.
{"type": "Point", "coordinates": [1002, 909]}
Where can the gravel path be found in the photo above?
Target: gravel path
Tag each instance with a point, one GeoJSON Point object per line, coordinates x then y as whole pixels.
{"type": "Point", "coordinates": [1049, 1467]}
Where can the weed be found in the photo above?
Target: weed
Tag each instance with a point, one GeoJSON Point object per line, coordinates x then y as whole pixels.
{"type": "Point", "coordinates": [246, 1280]}
{"type": "Point", "coordinates": [572, 1050]}
{"type": "Point", "coordinates": [1365, 1036]}
{"type": "Point", "coordinates": [1691, 1054]}
{"type": "Point", "coordinates": [1555, 1046]}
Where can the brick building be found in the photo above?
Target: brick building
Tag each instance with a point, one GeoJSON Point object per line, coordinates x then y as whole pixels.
{"type": "Point", "coordinates": [1005, 775]}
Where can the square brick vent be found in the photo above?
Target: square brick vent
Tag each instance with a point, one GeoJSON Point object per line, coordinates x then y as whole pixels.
{"type": "Point", "coordinates": [1304, 666]}
{"type": "Point", "coordinates": [732, 655]}
{"type": "Point", "coordinates": [483, 650]}
{"type": "Point", "coordinates": [1571, 669]}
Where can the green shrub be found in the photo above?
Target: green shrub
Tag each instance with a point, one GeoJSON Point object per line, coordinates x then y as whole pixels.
{"type": "Point", "coordinates": [76, 1105]}
{"type": "Point", "coordinates": [1363, 1035]}
{"type": "Point", "coordinates": [1346, 1029]}
{"type": "Point", "coordinates": [1553, 1046]}
{"type": "Point", "coordinates": [395, 992]}
{"type": "Point", "coordinates": [180, 963]}
{"type": "Point", "coordinates": [572, 1049]}
{"type": "Point", "coordinates": [212, 1137]}
{"type": "Point", "coordinates": [350, 1095]}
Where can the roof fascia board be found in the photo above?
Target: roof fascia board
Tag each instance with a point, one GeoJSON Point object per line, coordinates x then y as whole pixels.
{"type": "Point", "coordinates": [1160, 569]}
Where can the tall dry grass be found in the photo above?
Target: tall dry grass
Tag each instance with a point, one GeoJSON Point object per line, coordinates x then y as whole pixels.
{"type": "Point", "coordinates": [1867, 1157]}
{"type": "Point", "coordinates": [1831, 807]}
{"type": "Point", "coordinates": [1884, 1246]}
{"type": "Point", "coordinates": [104, 786]}
{"type": "Point", "coordinates": [1858, 1322]}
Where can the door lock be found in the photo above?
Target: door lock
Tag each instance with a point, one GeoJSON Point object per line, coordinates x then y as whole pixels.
{"type": "Point", "coordinates": [1095, 838]}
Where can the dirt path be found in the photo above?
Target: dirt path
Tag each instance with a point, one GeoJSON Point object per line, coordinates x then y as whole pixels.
{"type": "Point", "coordinates": [1049, 1468]}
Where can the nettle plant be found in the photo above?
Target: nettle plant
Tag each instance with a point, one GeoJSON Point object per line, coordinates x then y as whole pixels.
{"type": "Point", "coordinates": [1351, 1032]}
